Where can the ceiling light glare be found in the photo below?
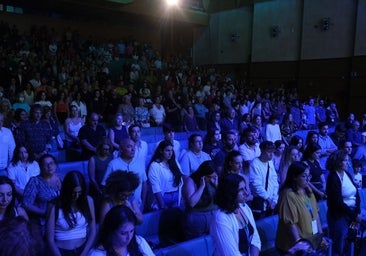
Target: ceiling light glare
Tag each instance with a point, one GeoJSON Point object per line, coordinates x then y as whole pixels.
{"type": "Point", "coordinates": [172, 2]}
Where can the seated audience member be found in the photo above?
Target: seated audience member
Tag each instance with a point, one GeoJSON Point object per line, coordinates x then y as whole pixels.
{"type": "Point", "coordinates": [41, 190]}
{"type": "Point", "coordinates": [117, 235]}
{"type": "Point", "coordinates": [157, 112]}
{"type": "Point", "coordinates": [343, 202]}
{"type": "Point", "coordinates": [72, 126]}
{"type": "Point", "coordinates": [169, 132]}
{"type": "Point", "coordinates": [97, 167]}
{"type": "Point", "coordinates": [35, 133]}
{"type": "Point", "coordinates": [311, 137]}
{"type": "Point", "coordinates": [70, 228]}
{"type": "Point", "coordinates": [229, 144]}
{"type": "Point", "coordinates": [272, 131]}
{"type": "Point", "coordinates": [129, 161]}
{"type": "Point", "coordinates": [21, 104]}
{"type": "Point", "coordinates": [212, 143]}
{"type": "Point", "coordinates": [233, 228]}
{"type": "Point", "coordinates": [229, 121]}
{"type": "Point", "coordinates": [23, 166]}
{"type": "Point", "coordinates": [90, 136]}
{"type": "Point", "coordinates": [189, 121]}
{"type": "Point", "coordinates": [142, 115]}
{"type": "Point", "coordinates": [198, 193]}
{"type": "Point", "coordinates": [298, 210]}
{"type": "Point", "coordinates": [18, 238]}
{"type": "Point", "coordinates": [357, 168]}
{"type": "Point", "coordinates": [165, 177]}
{"type": "Point", "coordinates": [19, 117]}
{"type": "Point", "coordinates": [8, 208]}
{"type": "Point", "coordinates": [118, 131]}
{"type": "Point", "coordinates": [119, 190]}
{"type": "Point", "coordinates": [194, 157]}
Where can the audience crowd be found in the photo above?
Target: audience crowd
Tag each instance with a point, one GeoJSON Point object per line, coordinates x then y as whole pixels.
{"type": "Point", "coordinates": [245, 167]}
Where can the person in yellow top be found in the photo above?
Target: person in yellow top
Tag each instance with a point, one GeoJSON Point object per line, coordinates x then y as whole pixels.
{"type": "Point", "coordinates": [298, 210]}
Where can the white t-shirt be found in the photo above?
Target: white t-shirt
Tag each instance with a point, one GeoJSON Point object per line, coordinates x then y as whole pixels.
{"type": "Point", "coordinates": [143, 246]}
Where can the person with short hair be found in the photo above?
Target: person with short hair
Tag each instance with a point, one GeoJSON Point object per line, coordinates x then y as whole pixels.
{"type": "Point", "coordinates": [23, 166]}
{"type": "Point", "coordinates": [127, 161]}
{"type": "Point", "coordinates": [36, 133]}
{"type": "Point", "coordinates": [91, 135]}
{"type": "Point", "coordinates": [263, 181]}
{"type": "Point", "coordinates": [194, 157]}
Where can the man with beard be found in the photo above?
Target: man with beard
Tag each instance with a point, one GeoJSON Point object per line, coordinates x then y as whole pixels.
{"type": "Point", "coordinates": [249, 149]}
{"type": "Point", "coordinates": [229, 144]}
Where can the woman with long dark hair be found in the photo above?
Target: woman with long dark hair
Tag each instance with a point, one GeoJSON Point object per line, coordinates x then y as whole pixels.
{"type": "Point", "coordinates": [165, 176]}
{"type": "Point", "coordinates": [198, 192]}
{"type": "Point", "coordinates": [8, 209]}
{"type": "Point", "coordinates": [233, 228]}
{"type": "Point", "coordinates": [23, 166]}
{"type": "Point", "coordinates": [71, 220]}
{"type": "Point", "coordinates": [117, 235]}
{"type": "Point", "coordinates": [298, 209]}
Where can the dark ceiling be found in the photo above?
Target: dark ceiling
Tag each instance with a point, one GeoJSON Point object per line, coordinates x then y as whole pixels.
{"type": "Point", "coordinates": [144, 9]}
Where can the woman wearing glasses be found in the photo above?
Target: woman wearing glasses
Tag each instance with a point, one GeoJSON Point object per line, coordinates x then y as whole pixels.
{"type": "Point", "coordinates": [297, 209]}
{"type": "Point", "coordinates": [120, 188]}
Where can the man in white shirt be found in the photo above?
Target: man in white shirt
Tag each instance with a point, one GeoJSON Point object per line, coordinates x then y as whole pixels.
{"type": "Point", "coordinates": [134, 131]}
{"type": "Point", "coordinates": [263, 180]}
{"type": "Point", "coordinates": [7, 146]}
{"type": "Point", "coordinates": [250, 147]}
{"type": "Point", "coordinates": [127, 161]}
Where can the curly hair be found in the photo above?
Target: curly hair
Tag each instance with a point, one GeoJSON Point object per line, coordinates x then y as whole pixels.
{"type": "Point", "coordinates": [121, 181]}
{"type": "Point", "coordinates": [18, 238]}
{"type": "Point", "coordinates": [334, 161]}
{"type": "Point", "coordinates": [227, 192]}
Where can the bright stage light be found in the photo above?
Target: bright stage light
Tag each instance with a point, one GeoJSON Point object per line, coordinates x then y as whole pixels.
{"type": "Point", "coordinates": [172, 2]}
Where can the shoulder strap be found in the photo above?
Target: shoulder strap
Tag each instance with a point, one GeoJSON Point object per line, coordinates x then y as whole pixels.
{"type": "Point", "coordinates": [267, 176]}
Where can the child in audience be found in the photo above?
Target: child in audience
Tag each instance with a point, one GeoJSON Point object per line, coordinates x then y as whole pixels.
{"type": "Point", "coordinates": [357, 168]}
